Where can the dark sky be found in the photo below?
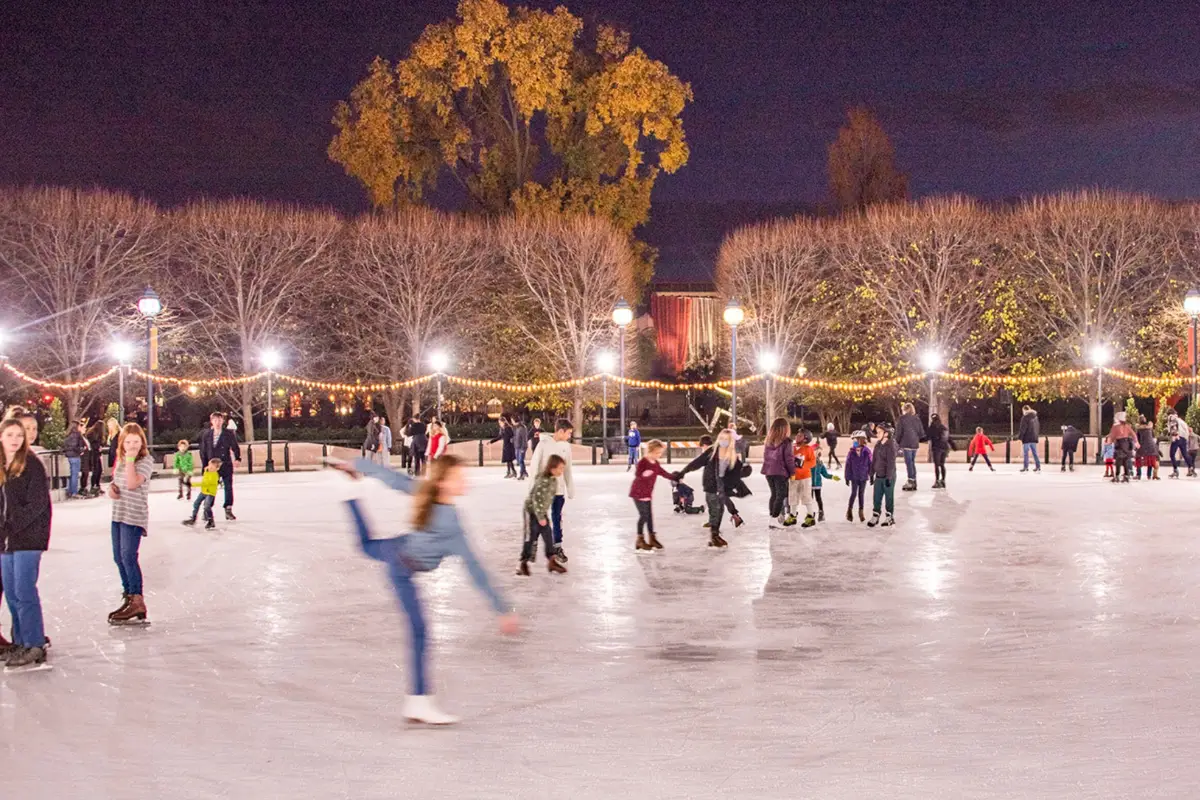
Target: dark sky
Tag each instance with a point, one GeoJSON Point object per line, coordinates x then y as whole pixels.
{"type": "Point", "coordinates": [178, 99]}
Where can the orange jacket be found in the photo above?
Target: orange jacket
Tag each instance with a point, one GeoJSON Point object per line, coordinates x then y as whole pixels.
{"type": "Point", "coordinates": [979, 444]}
{"type": "Point", "coordinates": [806, 458]}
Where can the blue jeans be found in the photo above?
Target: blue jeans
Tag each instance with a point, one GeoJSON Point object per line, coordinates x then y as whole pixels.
{"type": "Point", "coordinates": [204, 501]}
{"type": "Point", "coordinates": [19, 572]}
{"type": "Point", "coordinates": [1031, 447]}
{"type": "Point", "coordinates": [521, 464]}
{"type": "Point", "coordinates": [635, 452]}
{"type": "Point", "coordinates": [126, 539]}
{"type": "Point", "coordinates": [556, 516]}
{"type": "Point", "coordinates": [910, 463]}
{"type": "Point", "coordinates": [74, 462]}
{"type": "Point", "coordinates": [1180, 445]}
{"type": "Point", "coordinates": [389, 551]}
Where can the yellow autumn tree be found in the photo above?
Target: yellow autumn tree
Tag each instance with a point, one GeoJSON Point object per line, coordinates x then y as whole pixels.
{"type": "Point", "coordinates": [526, 110]}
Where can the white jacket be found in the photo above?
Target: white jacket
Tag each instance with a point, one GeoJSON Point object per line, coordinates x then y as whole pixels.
{"type": "Point", "coordinates": [1183, 431]}
{"type": "Point", "coordinates": [551, 447]}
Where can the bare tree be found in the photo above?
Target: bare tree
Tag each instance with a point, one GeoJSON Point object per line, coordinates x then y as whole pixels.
{"type": "Point", "coordinates": [1098, 263]}
{"type": "Point", "coordinates": [74, 264]}
{"type": "Point", "coordinates": [417, 279]}
{"type": "Point", "coordinates": [245, 277]}
{"type": "Point", "coordinates": [780, 272]}
{"type": "Point", "coordinates": [862, 164]}
{"type": "Point", "coordinates": [563, 275]}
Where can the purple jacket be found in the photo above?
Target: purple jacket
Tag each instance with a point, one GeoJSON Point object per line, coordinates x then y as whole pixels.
{"type": "Point", "coordinates": [779, 461]}
{"type": "Point", "coordinates": [857, 464]}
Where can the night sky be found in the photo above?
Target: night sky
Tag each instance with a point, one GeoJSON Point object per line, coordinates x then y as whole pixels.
{"type": "Point", "coordinates": [174, 100]}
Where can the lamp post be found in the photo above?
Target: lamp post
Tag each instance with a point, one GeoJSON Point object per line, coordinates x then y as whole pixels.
{"type": "Point", "coordinates": [605, 362]}
{"type": "Point", "coordinates": [270, 361]}
{"type": "Point", "coordinates": [733, 316]}
{"type": "Point", "coordinates": [931, 361]}
{"type": "Point", "coordinates": [768, 362]}
{"type": "Point", "coordinates": [440, 363]}
{"type": "Point", "coordinates": [1191, 304]}
{"type": "Point", "coordinates": [622, 315]}
{"type": "Point", "coordinates": [1100, 357]}
{"type": "Point", "coordinates": [801, 371]}
{"type": "Point", "coordinates": [123, 353]}
{"type": "Point", "coordinates": [150, 306]}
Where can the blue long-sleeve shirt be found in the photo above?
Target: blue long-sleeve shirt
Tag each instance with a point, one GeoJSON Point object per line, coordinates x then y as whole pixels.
{"type": "Point", "coordinates": [442, 536]}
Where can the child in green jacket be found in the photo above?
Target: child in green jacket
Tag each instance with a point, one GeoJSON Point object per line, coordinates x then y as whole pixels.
{"type": "Point", "coordinates": [537, 522]}
{"type": "Point", "coordinates": [184, 466]}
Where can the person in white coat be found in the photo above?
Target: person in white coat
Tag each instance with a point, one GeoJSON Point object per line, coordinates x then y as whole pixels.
{"type": "Point", "coordinates": [560, 446]}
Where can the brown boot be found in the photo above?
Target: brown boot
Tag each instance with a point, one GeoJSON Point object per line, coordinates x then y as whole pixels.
{"type": "Point", "coordinates": [135, 609]}
{"type": "Point", "coordinates": [523, 568]}
{"type": "Point", "coordinates": [120, 608]}
{"type": "Point", "coordinates": [653, 543]}
{"type": "Point", "coordinates": [554, 565]}
{"type": "Point", "coordinates": [641, 543]}
{"type": "Point", "coordinates": [715, 540]}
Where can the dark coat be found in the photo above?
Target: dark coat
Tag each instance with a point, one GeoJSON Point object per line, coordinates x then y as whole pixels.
{"type": "Point", "coordinates": [1070, 438]}
{"type": "Point", "coordinates": [112, 451]}
{"type": "Point", "coordinates": [225, 448]}
{"type": "Point", "coordinates": [535, 436]}
{"type": "Point", "coordinates": [732, 485]}
{"type": "Point", "coordinates": [939, 438]}
{"type": "Point", "coordinates": [419, 433]}
{"type": "Point", "coordinates": [909, 432]}
{"type": "Point", "coordinates": [371, 442]}
{"type": "Point", "coordinates": [520, 438]}
{"type": "Point", "coordinates": [25, 509]}
{"type": "Point", "coordinates": [1030, 428]}
{"type": "Point", "coordinates": [1147, 442]}
{"type": "Point", "coordinates": [884, 461]}
{"type": "Point", "coordinates": [507, 451]}
{"type": "Point", "coordinates": [74, 445]}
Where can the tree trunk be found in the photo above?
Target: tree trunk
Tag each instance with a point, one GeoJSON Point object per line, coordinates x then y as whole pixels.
{"type": "Point", "coordinates": [248, 412]}
{"type": "Point", "coordinates": [393, 409]}
{"type": "Point", "coordinates": [72, 406]}
{"type": "Point", "coordinates": [1094, 420]}
{"type": "Point", "coordinates": [577, 412]}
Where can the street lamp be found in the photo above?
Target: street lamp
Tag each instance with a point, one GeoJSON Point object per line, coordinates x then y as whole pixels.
{"type": "Point", "coordinates": [606, 363]}
{"type": "Point", "coordinates": [931, 362]}
{"type": "Point", "coordinates": [270, 361]}
{"type": "Point", "coordinates": [1191, 304]}
{"type": "Point", "coordinates": [440, 363]}
{"type": "Point", "coordinates": [123, 353]}
{"type": "Point", "coordinates": [1100, 357]}
{"type": "Point", "coordinates": [768, 364]}
{"type": "Point", "coordinates": [622, 316]}
{"type": "Point", "coordinates": [734, 315]}
{"type": "Point", "coordinates": [150, 306]}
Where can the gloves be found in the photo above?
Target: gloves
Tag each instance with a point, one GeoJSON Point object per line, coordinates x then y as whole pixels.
{"type": "Point", "coordinates": [834, 478]}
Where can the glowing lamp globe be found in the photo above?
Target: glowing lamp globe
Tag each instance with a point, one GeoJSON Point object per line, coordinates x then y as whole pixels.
{"type": "Point", "coordinates": [440, 362]}
{"type": "Point", "coordinates": [270, 360]}
{"type": "Point", "coordinates": [150, 305]}
{"type": "Point", "coordinates": [931, 361]}
{"type": "Point", "coordinates": [1191, 303]}
{"type": "Point", "coordinates": [1100, 355]}
{"type": "Point", "coordinates": [606, 363]}
{"type": "Point", "coordinates": [768, 362]}
{"type": "Point", "coordinates": [622, 313]}
{"type": "Point", "coordinates": [734, 313]}
{"type": "Point", "coordinates": [122, 352]}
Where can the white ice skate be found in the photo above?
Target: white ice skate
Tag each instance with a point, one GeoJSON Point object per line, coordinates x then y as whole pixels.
{"type": "Point", "coordinates": [423, 708]}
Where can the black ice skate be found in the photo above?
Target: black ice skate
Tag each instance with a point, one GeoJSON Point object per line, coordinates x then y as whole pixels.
{"type": "Point", "coordinates": [210, 525]}
{"type": "Point", "coordinates": [560, 554]}
{"type": "Point", "coordinates": [874, 520]}
{"type": "Point", "coordinates": [190, 521]}
{"type": "Point", "coordinates": [888, 521]}
{"type": "Point", "coordinates": [25, 659]}
{"type": "Point", "coordinates": [523, 568]}
{"type": "Point", "coordinates": [229, 515]}
{"type": "Point", "coordinates": [820, 516]}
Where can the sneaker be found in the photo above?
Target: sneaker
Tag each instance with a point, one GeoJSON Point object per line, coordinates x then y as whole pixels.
{"type": "Point", "coordinates": [25, 657]}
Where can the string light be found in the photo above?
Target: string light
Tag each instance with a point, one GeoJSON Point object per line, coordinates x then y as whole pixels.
{"type": "Point", "coordinates": [194, 385]}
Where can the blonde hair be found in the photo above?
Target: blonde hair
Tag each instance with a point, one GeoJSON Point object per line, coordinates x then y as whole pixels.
{"type": "Point", "coordinates": [113, 428]}
{"type": "Point", "coordinates": [655, 445]}
{"type": "Point", "coordinates": [17, 466]}
{"type": "Point", "coordinates": [135, 429]}
{"type": "Point", "coordinates": [215, 463]}
{"type": "Point", "coordinates": [729, 451]}
{"type": "Point", "coordinates": [430, 492]}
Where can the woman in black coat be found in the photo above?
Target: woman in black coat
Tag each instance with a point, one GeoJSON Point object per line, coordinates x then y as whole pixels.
{"type": "Point", "coordinates": [720, 489]}
{"type": "Point", "coordinates": [508, 453]}
{"type": "Point", "coordinates": [24, 536]}
{"type": "Point", "coordinates": [939, 448]}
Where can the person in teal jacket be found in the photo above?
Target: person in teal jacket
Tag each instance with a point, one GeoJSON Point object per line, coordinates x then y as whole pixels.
{"type": "Point", "coordinates": [820, 471]}
{"type": "Point", "coordinates": [437, 533]}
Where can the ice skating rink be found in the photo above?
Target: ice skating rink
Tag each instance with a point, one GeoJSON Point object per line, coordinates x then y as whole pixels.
{"type": "Point", "coordinates": [1017, 636]}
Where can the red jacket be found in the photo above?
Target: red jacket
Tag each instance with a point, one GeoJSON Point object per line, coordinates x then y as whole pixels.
{"type": "Point", "coordinates": [645, 474]}
{"type": "Point", "coordinates": [979, 444]}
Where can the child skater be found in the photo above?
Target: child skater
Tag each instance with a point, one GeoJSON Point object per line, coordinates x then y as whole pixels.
{"type": "Point", "coordinates": [778, 466]}
{"type": "Point", "coordinates": [1110, 459]}
{"type": "Point", "coordinates": [208, 495]}
{"type": "Point", "coordinates": [858, 471]}
{"type": "Point", "coordinates": [646, 473]}
{"type": "Point", "coordinates": [437, 533]}
{"type": "Point", "coordinates": [800, 488]}
{"type": "Point", "coordinates": [722, 467]}
{"type": "Point", "coordinates": [633, 439]}
{"type": "Point", "coordinates": [980, 445]}
{"type": "Point", "coordinates": [819, 472]}
{"type": "Point", "coordinates": [884, 478]}
{"type": "Point", "coordinates": [1147, 450]}
{"type": "Point", "coordinates": [537, 517]}
{"type": "Point", "coordinates": [184, 466]}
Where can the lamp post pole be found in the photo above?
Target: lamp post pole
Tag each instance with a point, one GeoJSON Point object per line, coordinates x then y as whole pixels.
{"type": "Point", "coordinates": [270, 463]}
{"type": "Point", "coordinates": [1195, 319]}
{"type": "Point", "coordinates": [622, 315]}
{"type": "Point", "coordinates": [150, 385]}
{"type": "Point", "coordinates": [121, 393]}
{"type": "Point", "coordinates": [932, 396]}
{"type": "Point", "coordinates": [604, 416]}
{"type": "Point", "coordinates": [621, 401]}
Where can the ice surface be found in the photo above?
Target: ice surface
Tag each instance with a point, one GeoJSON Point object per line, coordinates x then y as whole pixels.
{"type": "Point", "coordinates": [1018, 636]}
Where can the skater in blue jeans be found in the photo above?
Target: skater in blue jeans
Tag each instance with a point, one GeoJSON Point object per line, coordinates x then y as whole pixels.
{"type": "Point", "coordinates": [24, 536]}
{"type": "Point", "coordinates": [1029, 435]}
{"type": "Point", "coordinates": [633, 439]}
{"type": "Point", "coordinates": [437, 533]}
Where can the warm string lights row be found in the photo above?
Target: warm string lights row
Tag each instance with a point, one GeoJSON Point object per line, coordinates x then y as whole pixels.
{"type": "Point", "coordinates": [852, 387]}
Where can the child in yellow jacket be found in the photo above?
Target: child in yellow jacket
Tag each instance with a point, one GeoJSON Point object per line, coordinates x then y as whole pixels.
{"type": "Point", "coordinates": [208, 495]}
